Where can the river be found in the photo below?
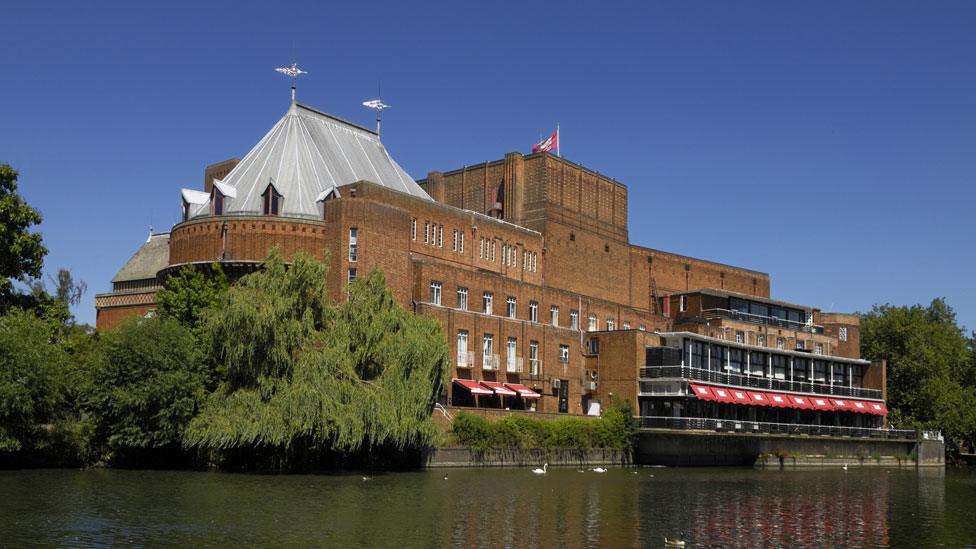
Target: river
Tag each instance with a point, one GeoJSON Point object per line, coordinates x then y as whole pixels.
{"type": "Point", "coordinates": [732, 507]}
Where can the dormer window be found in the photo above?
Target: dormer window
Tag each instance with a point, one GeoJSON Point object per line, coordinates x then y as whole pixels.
{"type": "Point", "coordinates": [217, 201]}
{"type": "Point", "coordinates": [186, 210]}
{"type": "Point", "coordinates": [272, 201]}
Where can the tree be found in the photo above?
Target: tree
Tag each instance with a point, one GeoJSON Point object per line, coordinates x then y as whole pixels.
{"type": "Point", "coordinates": [188, 294]}
{"type": "Point", "coordinates": [66, 290]}
{"type": "Point", "coordinates": [31, 364]}
{"type": "Point", "coordinates": [145, 381]}
{"type": "Point", "coordinates": [308, 380]}
{"type": "Point", "coordinates": [930, 367]}
{"type": "Point", "coordinates": [21, 251]}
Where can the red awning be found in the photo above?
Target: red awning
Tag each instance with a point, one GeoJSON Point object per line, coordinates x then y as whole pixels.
{"type": "Point", "coordinates": [841, 404]}
{"type": "Point", "coordinates": [759, 399]}
{"type": "Point", "coordinates": [499, 389]}
{"type": "Point", "coordinates": [523, 391]}
{"type": "Point", "coordinates": [801, 402]}
{"type": "Point", "coordinates": [473, 387]}
{"type": "Point", "coordinates": [877, 408]}
{"type": "Point", "coordinates": [702, 392]}
{"type": "Point", "coordinates": [777, 400]}
{"type": "Point", "coordinates": [740, 397]}
{"type": "Point", "coordinates": [821, 403]}
{"type": "Point", "coordinates": [722, 394]}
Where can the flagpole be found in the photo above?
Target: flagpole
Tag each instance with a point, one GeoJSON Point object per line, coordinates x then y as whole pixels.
{"type": "Point", "coordinates": [559, 142]}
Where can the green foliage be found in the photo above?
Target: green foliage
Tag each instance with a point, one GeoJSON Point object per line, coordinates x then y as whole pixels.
{"type": "Point", "coordinates": [31, 386]}
{"type": "Point", "coordinates": [21, 251]}
{"type": "Point", "coordinates": [190, 293]}
{"type": "Point", "coordinates": [307, 379]}
{"type": "Point", "coordinates": [616, 429]}
{"type": "Point", "coordinates": [143, 383]}
{"type": "Point", "coordinates": [931, 367]}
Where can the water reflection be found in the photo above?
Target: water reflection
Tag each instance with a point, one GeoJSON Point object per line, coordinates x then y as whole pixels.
{"type": "Point", "coordinates": [492, 508]}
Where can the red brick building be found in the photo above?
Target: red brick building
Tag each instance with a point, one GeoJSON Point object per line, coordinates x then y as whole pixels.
{"type": "Point", "coordinates": [527, 264]}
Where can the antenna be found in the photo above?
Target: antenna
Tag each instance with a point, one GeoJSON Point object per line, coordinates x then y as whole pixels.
{"type": "Point", "coordinates": [294, 72]}
{"type": "Point", "coordinates": [378, 105]}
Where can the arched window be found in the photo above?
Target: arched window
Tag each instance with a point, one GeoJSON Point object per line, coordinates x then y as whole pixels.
{"type": "Point", "coordinates": [272, 201]}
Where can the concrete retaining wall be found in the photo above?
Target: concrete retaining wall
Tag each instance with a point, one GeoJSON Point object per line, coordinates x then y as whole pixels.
{"type": "Point", "coordinates": [515, 457]}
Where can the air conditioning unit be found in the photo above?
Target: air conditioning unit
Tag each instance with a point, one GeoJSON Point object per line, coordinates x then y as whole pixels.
{"type": "Point", "coordinates": [557, 383]}
{"type": "Point", "coordinates": [589, 385]}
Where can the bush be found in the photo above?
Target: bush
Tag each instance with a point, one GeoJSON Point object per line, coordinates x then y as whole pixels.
{"type": "Point", "coordinates": [474, 431]}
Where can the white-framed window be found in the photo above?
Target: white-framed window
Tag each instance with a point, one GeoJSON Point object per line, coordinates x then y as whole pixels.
{"type": "Point", "coordinates": [800, 344]}
{"type": "Point", "coordinates": [626, 325]}
{"type": "Point", "coordinates": [351, 274]}
{"type": "Point", "coordinates": [554, 315]}
{"type": "Point", "coordinates": [842, 333]}
{"type": "Point", "coordinates": [818, 349]}
{"type": "Point", "coordinates": [535, 262]}
{"type": "Point", "coordinates": [426, 232]}
{"type": "Point", "coordinates": [504, 254]}
{"type": "Point", "coordinates": [535, 366]}
{"type": "Point", "coordinates": [761, 340]}
{"type": "Point", "coordinates": [488, 345]}
{"type": "Point", "coordinates": [510, 307]}
{"type": "Point", "coordinates": [486, 302]}
{"type": "Point", "coordinates": [574, 319]}
{"type": "Point", "coordinates": [563, 353]}
{"type": "Point", "coordinates": [435, 292]}
{"type": "Point", "coordinates": [462, 298]}
{"type": "Point", "coordinates": [353, 244]}
{"type": "Point", "coordinates": [682, 303]}
{"type": "Point", "coordinates": [413, 228]}
{"type": "Point", "coordinates": [511, 355]}
{"type": "Point", "coordinates": [440, 236]}
{"type": "Point", "coordinates": [514, 259]}
{"type": "Point", "coordinates": [533, 311]}
{"type": "Point", "coordinates": [592, 323]}
{"type": "Point", "coordinates": [611, 324]}
{"type": "Point", "coordinates": [481, 248]}
{"type": "Point", "coordinates": [461, 242]}
{"type": "Point", "coordinates": [740, 337]}
{"type": "Point", "coordinates": [492, 250]}
{"type": "Point", "coordinates": [642, 328]}
{"type": "Point", "coordinates": [462, 347]}
{"type": "Point", "coordinates": [524, 257]}
{"type": "Point", "coordinates": [454, 241]}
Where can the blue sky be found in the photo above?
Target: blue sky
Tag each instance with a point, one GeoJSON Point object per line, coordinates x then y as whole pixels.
{"type": "Point", "coordinates": [830, 144]}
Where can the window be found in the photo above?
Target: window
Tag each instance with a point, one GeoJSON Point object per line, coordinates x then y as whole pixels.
{"type": "Point", "coordinates": [780, 343]}
{"type": "Point", "coordinates": [573, 320]}
{"type": "Point", "coordinates": [818, 349]}
{"type": "Point", "coordinates": [272, 201]}
{"type": "Point", "coordinates": [492, 250]}
{"type": "Point", "coordinates": [554, 315]}
{"type": "Point", "coordinates": [426, 232]}
{"type": "Point", "coordinates": [801, 369]}
{"type": "Point", "coordinates": [511, 360]}
{"type": "Point", "coordinates": [564, 354]}
{"type": "Point", "coordinates": [740, 337]}
{"type": "Point", "coordinates": [591, 323]}
{"type": "Point", "coordinates": [800, 344]}
{"type": "Point", "coordinates": [462, 348]}
{"type": "Point", "coordinates": [217, 198]}
{"type": "Point", "coordinates": [842, 333]}
{"type": "Point", "coordinates": [757, 363]}
{"type": "Point", "coordinates": [435, 292]}
{"type": "Point", "coordinates": [462, 298]}
{"type": "Point", "coordinates": [716, 358]}
{"type": "Point", "coordinates": [819, 371]}
{"type": "Point", "coordinates": [857, 376]}
{"type": "Point", "coordinates": [737, 361]}
{"type": "Point", "coordinates": [486, 300]}
{"type": "Point", "coordinates": [535, 366]}
{"type": "Point", "coordinates": [779, 366]}
{"type": "Point", "coordinates": [488, 345]}
{"type": "Point", "coordinates": [413, 228]}
{"type": "Point", "coordinates": [697, 350]}
{"type": "Point", "coordinates": [454, 241]}
{"type": "Point", "coordinates": [352, 274]}
{"type": "Point", "coordinates": [524, 254]}
{"type": "Point", "coordinates": [504, 254]}
{"type": "Point", "coordinates": [481, 248]}
{"type": "Point", "coordinates": [610, 325]}
{"type": "Point", "coordinates": [440, 236]}
{"type": "Point", "coordinates": [510, 307]}
{"type": "Point", "coordinates": [353, 244]}
{"type": "Point", "coordinates": [593, 346]}
{"type": "Point", "coordinates": [461, 243]}
{"type": "Point", "coordinates": [838, 373]}
{"type": "Point", "coordinates": [533, 311]}
{"type": "Point", "coordinates": [642, 328]}
{"type": "Point", "coordinates": [682, 303]}
{"type": "Point", "coordinates": [626, 325]}
{"type": "Point", "coordinates": [514, 259]}
{"type": "Point", "coordinates": [761, 340]}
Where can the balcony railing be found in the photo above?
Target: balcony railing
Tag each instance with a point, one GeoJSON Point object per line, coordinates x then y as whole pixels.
{"type": "Point", "coordinates": [765, 320]}
{"type": "Point", "coordinates": [513, 364]}
{"type": "Point", "coordinates": [535, 367]}
{"type": "Point", "coordinates": [755, 382]}
{"type": "Point", "coordinates": [465, 359]}
{"type": "Point", "coordinates": [489, 362]}
{"type": "Point", "coordinates": [760, 427]}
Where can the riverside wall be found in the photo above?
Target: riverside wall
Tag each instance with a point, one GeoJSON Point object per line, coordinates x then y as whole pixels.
{"type": "Point", "coordinates": [524, 457]}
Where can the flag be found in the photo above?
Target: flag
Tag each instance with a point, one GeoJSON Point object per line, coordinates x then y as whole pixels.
{"type": "Point", "coordinates": [548, 144]}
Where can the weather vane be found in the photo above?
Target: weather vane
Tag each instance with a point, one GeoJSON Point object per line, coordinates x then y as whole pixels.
{"type": "Point", "coordinates": [378, 105]}
{"type": "Point", "coordinates": [294, 72]}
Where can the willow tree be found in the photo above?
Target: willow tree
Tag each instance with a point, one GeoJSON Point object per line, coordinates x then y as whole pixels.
{"type": "Point", "coordinates": [307, 379]}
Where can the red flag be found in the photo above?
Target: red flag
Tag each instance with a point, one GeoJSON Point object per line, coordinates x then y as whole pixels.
{"type": "Point", "coordinates": [548, 144]}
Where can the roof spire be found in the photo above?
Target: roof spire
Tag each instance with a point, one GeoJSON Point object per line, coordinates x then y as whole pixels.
{"type": "Point", "coordinates": [378, 105]}
{"type": "Point", "coordinates": [294, 72]}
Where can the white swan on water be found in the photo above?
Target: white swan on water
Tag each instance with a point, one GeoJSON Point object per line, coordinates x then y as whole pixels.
{"type": "Point", "coordinates": [541, 471]}
{"type": "Point", "coordinates": [599, 470]}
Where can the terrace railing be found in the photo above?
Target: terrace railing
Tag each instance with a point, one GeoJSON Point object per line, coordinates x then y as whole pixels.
{"type": "Point", "coordinates": [755, 382]}
{"type": "Point", "coordinates": [765, 320]}
{"type": "Point", "coordinates": [761, 427]}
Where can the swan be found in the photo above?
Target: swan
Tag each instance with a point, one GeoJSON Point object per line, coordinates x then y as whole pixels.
{"type": "Point", "coordinates": [599, 470]}
{"type": "Point", "coordinates": [845, 466]}
{"type": "Point", "coordinates": [541, 471]}
{"type": "Point", "coordinates": [674, 542]}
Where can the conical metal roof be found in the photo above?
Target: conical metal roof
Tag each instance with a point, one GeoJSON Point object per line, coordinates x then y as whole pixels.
{"type": "Point", "coordinates": [304, 155]}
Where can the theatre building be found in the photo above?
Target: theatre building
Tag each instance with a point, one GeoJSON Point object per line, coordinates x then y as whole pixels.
{"type": "Point", "coordinates": [528, 265]}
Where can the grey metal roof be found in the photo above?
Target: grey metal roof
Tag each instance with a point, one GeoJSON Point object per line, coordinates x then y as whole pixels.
{"type": "Point", "coordinates": [147, 261]}
{"type": "Point", "coordinates": [305, 153]}
{"type": "Point", "coordinates": [726, 293]}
